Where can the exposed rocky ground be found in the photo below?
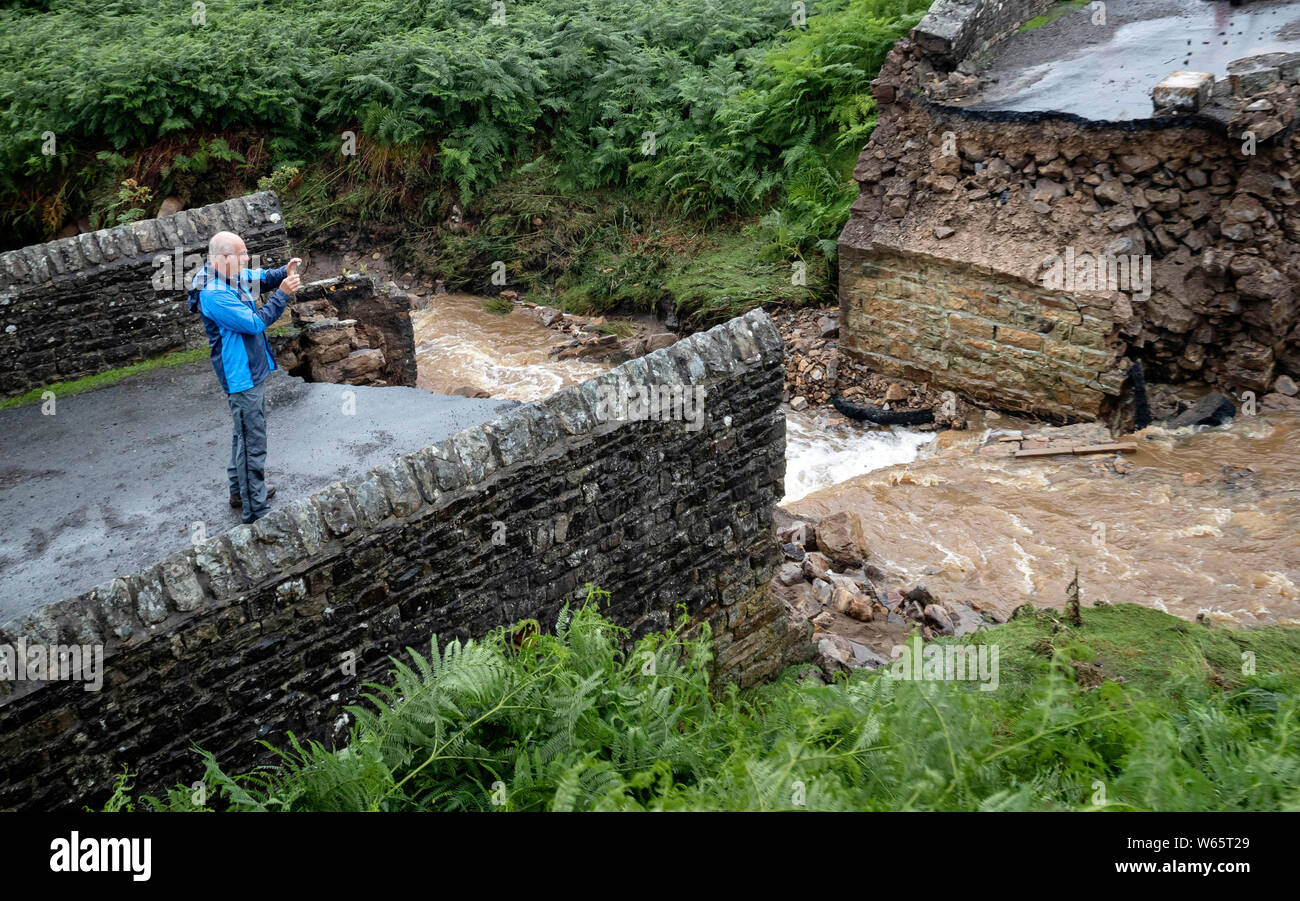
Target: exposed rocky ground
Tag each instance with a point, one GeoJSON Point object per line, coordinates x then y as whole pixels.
{"type": "Point", "coordinates": [816, 371]}
{"type": "Point", "coordinates": [859, 612]}
{"type": "Point", "coordinates": [321, 347]}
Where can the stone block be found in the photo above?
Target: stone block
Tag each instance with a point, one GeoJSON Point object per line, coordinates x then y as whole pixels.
{"type": "Point", "coordinates": [115, 608]}
{"type": "Point", "coordinates": [1253, 74]}
{"type": "Point", "coordinates": [1019, 338]}
{"type": "Point", "coordinates": [972, 326]}
{"type": "Point", "coordinates": [213, 558]}
{"type": "Point", "coordinates": [337, 510]}
{"type": "Point", "coordinates": [277, 536]}
{"type": "Point", "coordinates": [308, 524]}
{"type": "Point", "coordinates": [151, 597]}
{"type": "Point", "coordinates": [182, 582]}
{"type": "Point", "coordinates": [476, 453]}
{"type": "Point", "coordinates": [369, 499]}
{"type": "Point", "coordinates": [450, 471]}
{"type": "Point", "coordinates": [400, 487]}
{"type": "Point", "coordinates": [1182, 92]}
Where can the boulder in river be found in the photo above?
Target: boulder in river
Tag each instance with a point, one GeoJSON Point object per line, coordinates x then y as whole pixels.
{"type": "Point", "coordinates": [865, 657]}
{"type": "Point", "coordinates": [841, 538]}
{"type": "Point", "coordinates": [937, 616]}
{"type": "Point", "coordinates": [800, 600]}
{"type": "Point", "coordinates": [1279, 403]}
{"type": "Point", "coordinates": [790, 573]}
{"type": "Point", "coordinates": [920, 594]}
{"type": "Point", "coordinates": [965, 620]}
{"type": "Point", "coordinates": [796, 531]}
{"type": "Point", "coordinates": [833, 653]}
{"type": "Point", "coordinates": [1212, 409]}
{"type": "Point", "coordinates": [815, 565]}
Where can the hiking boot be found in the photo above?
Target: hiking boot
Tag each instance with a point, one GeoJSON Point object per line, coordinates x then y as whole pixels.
{"type": "Point", "coordinates": [236, 502]}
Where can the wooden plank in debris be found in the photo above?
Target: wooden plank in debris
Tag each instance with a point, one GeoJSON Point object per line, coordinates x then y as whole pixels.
{"type": "Point", "coordinates": [1118, 446]}
{"type": "Point", "coordinates": [1011, 438]}
{"type": "Point", "coordinates": [1042, 452]}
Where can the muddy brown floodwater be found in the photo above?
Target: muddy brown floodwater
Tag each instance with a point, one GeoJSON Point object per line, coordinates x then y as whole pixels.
{"type": "Point", "coordinates": [458, 344]}
{"type": "Point", "coordinates": [1188, 529]}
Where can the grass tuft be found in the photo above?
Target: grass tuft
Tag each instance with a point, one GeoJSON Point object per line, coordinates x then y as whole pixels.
{"type": "Point", "coordinates": [104, 379]}
{"type": "Point", "coordinates": [1061, 8]}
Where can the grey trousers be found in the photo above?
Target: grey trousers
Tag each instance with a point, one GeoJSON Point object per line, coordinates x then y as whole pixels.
{"type": "Point", "coordinates": [247, 470]}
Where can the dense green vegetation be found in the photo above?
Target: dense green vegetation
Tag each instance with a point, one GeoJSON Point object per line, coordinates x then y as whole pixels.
{"type": "Point", "coordinates": [1130, 710]}
{"type": "Point", "coordinates": [636, 119]}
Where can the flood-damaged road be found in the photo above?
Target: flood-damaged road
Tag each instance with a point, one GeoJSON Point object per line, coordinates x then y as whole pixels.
{"type": "Point", "coordinates": [118, 478]}
{"type": "Point", "coordinates": [1105, 71]}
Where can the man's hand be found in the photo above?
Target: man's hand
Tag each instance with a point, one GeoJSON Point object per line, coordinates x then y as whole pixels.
{"type": "Point", "coordinates": [292, 281]}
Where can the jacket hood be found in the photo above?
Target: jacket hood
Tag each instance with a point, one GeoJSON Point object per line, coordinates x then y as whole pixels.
{"type": "Point", "coordinates": [206, 277]}
{"type": "Point", "coordinates": [202, 279]}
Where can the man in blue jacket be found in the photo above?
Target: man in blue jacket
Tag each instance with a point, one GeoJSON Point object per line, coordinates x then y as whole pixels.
{"type": "Point", "coordinates": [222, 293]}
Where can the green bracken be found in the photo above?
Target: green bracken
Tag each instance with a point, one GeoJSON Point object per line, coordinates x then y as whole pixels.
{"type": "Point", "coordinates": [1132, 710]}
{"type": "Point", "coordinates": [565, 112]}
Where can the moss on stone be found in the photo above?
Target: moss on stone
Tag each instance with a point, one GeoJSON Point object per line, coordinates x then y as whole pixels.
{"type": "Point", "coordinates": [1055, 13]}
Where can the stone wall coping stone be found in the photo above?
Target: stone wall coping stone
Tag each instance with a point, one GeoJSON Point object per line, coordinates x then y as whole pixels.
{"type": "Point", "coordinates": [953, 30]}
{"type": "Point", "coordinates": [68, 257]}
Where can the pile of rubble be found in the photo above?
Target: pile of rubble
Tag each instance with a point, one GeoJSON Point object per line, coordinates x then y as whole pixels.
{"type": "Point", "coordinates": [815, 371]}
{"type": "Point", "coordinates": [859, 612]}
{"type": "Point", "coordinates": [591, 337]}
{"type": "Point", "coordinates": [320, 347]}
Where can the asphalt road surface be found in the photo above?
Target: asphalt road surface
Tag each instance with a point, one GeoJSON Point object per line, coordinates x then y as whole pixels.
{"type": "Point", "coordinates": [115, 480]}
{"type": "Point", "coordinates": [1105, 72]}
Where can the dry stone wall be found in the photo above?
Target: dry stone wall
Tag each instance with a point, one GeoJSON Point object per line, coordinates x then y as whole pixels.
{"type": "Point", "coordinates": [241, 637]}
{"type": "Point", "coordinates": [996, 339]}
{"type": "Point", "coordinates": [80, 305]}
{"type": "Point", "coordinates": [955, 30]}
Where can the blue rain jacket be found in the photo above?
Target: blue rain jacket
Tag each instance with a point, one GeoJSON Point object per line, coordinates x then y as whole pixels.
{"type": "Point", "coordinates": [236, 327]}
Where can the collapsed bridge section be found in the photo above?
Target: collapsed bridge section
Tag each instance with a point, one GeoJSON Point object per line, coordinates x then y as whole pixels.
{"type": "Point", "coordinates": [1024, 256]}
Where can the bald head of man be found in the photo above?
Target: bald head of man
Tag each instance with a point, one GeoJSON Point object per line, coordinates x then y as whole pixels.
{"type": "Point", "coordinates": [227, 253]}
